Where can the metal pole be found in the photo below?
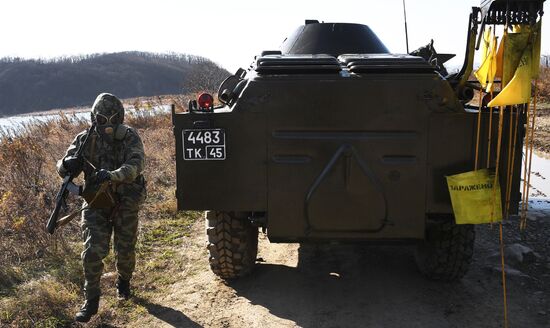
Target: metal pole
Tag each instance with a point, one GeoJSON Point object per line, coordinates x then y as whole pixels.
{"type": "Point", "coordinates": [406, 31]}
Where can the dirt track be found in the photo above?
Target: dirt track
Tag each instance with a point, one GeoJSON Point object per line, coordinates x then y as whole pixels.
{"type": "Point", "coordinates": [354, 286]}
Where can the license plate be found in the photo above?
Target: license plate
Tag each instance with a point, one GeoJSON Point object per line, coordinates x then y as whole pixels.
{"type": "Point", "coordinates": [204, 144]}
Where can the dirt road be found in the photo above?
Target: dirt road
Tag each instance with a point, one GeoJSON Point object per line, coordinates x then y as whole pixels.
{"type": "Point", "coordinates": [357, 286]}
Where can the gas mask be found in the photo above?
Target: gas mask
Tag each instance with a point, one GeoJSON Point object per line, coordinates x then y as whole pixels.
{"type": "Point", "coordinates": [108, 115]}
{"type": "Point", "coordinates": [106, 126]}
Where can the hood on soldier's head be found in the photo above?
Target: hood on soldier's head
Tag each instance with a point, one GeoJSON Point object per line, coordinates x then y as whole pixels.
{"type": "Point", "coordinates": [107, 104]}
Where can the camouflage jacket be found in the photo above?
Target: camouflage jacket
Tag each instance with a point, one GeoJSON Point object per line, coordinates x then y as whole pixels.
{"type": "Point", "coordinates": [124, 157]}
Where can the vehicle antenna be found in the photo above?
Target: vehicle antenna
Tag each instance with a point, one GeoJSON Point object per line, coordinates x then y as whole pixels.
{"type": "Point", "coordinates": [406, 31]}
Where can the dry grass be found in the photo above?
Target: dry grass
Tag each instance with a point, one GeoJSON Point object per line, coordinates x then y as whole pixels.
{"type": "Point", "coordinates": [542, 128]}
{"type": "Point", "coordinates": [40, 303]}
{"type": "Point", "coordinates": [40, 275]}
{"type": "Point", "coordinates": [28, 184]}
{"type": "Point", "coordinates": [543, 85]}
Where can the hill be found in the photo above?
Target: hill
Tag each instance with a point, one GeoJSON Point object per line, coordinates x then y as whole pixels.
{"type": "Point", "coordinates": [33, 85]}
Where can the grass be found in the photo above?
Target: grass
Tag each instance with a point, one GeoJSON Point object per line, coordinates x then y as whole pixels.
{"type": "Point", "coordinates": [41, 275]}
{"type": "Point", "coordinates": [40, 303]}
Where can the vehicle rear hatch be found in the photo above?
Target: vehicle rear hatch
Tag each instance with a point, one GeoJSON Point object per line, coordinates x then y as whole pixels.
{"type": "Point", "coordinates": [347, 150]}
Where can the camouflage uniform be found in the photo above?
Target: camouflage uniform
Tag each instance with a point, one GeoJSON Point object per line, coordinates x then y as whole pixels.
{"type": "Point", "coordinates": [121, 153]}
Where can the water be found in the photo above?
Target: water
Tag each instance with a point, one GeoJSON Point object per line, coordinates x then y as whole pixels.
{"type": "Point", "coordinates": [12, 125]}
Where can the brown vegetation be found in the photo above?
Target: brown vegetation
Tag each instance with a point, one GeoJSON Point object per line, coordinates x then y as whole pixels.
{"type": "Point", "coordinates": [40, 276]}
{"type": "Point", "coordinates": [543, 85]}
{"type": "Point", "coordinates": [542, 120]}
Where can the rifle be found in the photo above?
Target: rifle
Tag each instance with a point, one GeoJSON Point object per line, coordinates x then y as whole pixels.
{"type": "Point", "coordinates": [62, 193]}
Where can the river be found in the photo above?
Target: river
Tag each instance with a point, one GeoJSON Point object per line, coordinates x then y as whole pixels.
{"type": "Point", "coordinates": [11, 125]}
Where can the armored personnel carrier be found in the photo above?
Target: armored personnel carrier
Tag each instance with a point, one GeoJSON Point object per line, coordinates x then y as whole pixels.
{"type": "Point", "coordinates": [335, 139]}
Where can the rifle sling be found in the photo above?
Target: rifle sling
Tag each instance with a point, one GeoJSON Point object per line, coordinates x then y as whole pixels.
{"type": "Point", "coordinates": [68, 218]}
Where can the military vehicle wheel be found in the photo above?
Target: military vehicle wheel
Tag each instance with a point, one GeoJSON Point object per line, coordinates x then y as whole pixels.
{"type": "Point", "coordinates": [447, 252]}
{"type": "Point", "coordinates": [232, 243]}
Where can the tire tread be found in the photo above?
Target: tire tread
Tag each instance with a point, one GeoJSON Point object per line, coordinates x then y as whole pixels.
{"type": "Point", "coordinates": [232, 244]}
{"type": "Point", "coordinates": [447, 252]}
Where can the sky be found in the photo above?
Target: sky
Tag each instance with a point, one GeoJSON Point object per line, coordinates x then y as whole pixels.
{"type": "Point", "coordinates": [228, 32]}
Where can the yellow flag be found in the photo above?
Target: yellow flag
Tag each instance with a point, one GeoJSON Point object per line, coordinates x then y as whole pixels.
{"type": "Point", "coordinates": [500, 55]}
{"type": "Point", "coordinates": [474, 197]}
{"type": "Point", "coordinates": [487, 36]}
{"type": "Point", "coordinates": [514, 47]}
{"type": "Point", "coordinates": [517, 28]}
{"type": "Point", "coordinates": [486, 72]}
{"type": "Point", "coordinates": [518, 91]}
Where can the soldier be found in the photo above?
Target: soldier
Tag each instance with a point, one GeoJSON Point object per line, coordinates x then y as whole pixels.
{"type": "Point", "coordinates": [114, 188]}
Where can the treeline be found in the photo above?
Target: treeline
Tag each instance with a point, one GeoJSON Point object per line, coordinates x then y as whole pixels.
{"type": "Point", "coordinates": [28, 85]}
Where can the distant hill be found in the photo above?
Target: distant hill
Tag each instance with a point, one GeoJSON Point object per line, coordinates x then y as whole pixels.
{"type": "Point", "coordinates": [33, 85]}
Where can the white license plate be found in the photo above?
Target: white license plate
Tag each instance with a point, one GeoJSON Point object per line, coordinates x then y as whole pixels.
{"type": "Point", "coordinates": [204, 144]}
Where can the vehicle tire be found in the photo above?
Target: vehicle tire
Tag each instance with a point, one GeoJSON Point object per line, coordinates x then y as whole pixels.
{"type": "Point", "coordinates": [232, 244]}
{"type": "Point", "coordinates": [447, 252]}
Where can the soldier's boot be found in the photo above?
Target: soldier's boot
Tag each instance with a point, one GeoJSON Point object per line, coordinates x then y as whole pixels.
{"type": "Point", "coordinates": [88, 309]}
{"type": "Point", "coordinates": [123, 289]}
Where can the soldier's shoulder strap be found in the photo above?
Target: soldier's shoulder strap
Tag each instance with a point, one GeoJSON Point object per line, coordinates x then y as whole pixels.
{"type": "Point", "coordinates": [121, 132]}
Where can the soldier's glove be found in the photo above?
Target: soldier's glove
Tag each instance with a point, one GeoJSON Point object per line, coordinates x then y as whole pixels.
{"type": "Point", "coordinates": [103, 175]}
{"type": "Point", "coordinates": [72, 164]}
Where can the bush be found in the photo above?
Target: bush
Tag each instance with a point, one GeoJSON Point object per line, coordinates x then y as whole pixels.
{"type": "Point", "coordinates": [544, 84]}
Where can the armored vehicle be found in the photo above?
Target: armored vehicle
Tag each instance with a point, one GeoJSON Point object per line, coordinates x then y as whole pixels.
{"type": "Point", "coordinates": [335, 139]}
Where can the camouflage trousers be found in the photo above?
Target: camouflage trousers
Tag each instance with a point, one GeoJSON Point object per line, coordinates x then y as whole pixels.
{"type": "Point", "coordinates": [97, 227]}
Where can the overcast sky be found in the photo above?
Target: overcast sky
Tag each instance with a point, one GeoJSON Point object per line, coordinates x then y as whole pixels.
{"type": "Point", "coordinates": [228, 32]}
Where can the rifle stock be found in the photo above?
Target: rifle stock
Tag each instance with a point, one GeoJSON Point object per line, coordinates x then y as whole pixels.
{"type": "Point", "coordinates": [52, 221]}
